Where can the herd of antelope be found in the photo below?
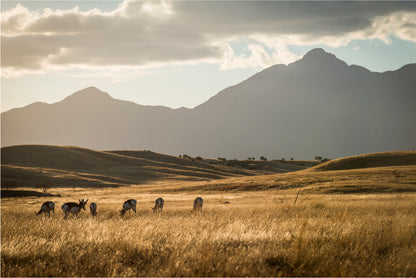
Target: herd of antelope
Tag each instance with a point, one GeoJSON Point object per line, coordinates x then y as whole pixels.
{"type": "Point", "coordinates": [75, 208]}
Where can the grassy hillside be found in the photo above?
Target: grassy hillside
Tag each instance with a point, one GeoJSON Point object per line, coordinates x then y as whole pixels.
{"type": "Point", "coordinates": [369, 180]}
{"type": "Point", "coordinates": [372, 173]}
{"type": "Point", "coordinates": [53, 166]}
{"type": "Point", "coordinates": [369, 161]}
{"type": "Point", "coordinates": [65, 166]}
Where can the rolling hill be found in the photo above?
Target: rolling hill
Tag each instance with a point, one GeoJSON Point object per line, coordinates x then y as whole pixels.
{"type": "Point", "coordinates": [317, 105]}
{"type": "Point", "coordinates": [388, 172]}
{"type": "Point", "coordinates": [65, 166]}
{"type": "Point", "coordinates": [37, 166]}
{"type": "Point", "coordinates": [369, 161]}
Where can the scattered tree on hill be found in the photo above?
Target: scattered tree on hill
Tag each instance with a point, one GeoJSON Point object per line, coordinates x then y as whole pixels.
{"type": "Point", "coordinates": [263, 158]}
{"type": "Point", "coordinates": [222, 159]}
{"type": "Point", "coordinates": [44, 186]}
{"type": "Point", "coordinates": [198, 158]}
{"type": "Point", "coordinates": [186, 156]}
{"type": "Point", "coordinates": [321, 159]}
{"type": "Point", "coordinates": [318, 158]}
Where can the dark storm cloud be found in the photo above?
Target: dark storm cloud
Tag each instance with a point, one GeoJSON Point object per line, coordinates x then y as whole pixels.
{"type": "Point", "coordinates": [142, 33]}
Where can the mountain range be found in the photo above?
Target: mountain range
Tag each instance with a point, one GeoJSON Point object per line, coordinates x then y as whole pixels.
{"type": "Point", "coordinates": [317, 105]}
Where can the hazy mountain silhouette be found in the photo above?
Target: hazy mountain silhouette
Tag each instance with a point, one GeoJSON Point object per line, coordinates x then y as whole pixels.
{"type": "Point", "coordinates": [317, 105]}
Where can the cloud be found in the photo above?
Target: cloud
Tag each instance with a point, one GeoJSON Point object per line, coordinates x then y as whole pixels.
{"type": "Point", "coordinates": [148, 34]}
{"type": "Point", "coordinates": [260, 53]}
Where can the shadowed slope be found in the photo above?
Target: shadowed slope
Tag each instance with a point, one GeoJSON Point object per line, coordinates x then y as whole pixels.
{"type": "Point", "coordinates": [25, 193]}
{"type": "Point", "coordinates": [369, 161]}
{"type": "Point", "coordinates": [34, 165]}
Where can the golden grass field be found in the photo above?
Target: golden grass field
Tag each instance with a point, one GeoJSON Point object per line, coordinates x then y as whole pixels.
{"type": "Point", "coordinates": [237, 234]}
{"type": "Point", "coordinates": [357, 222]}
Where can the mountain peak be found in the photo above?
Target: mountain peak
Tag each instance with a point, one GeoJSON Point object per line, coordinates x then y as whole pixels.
{"type": "Point", "coordinates": [319, 57]}
{"type": "Point", "coordinates": [88, 94]}
{"type": "Point", "coordinates": [319, 54]}
{"type": "Point", "coordinates": [90, 89]}
{"type": "Point", "coordinates": [316, 52]}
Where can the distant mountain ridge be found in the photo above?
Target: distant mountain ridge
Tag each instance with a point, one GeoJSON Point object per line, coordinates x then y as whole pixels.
{"type": "Point", "coordinates": [317, 105]}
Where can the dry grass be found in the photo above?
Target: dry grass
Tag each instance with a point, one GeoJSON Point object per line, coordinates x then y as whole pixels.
{"type": "Point", "coordinates": [237, 234]}
{"type": "Point", "coordinates": [393, 179]}
{"type": "Point", "coordinates": [250, 226]}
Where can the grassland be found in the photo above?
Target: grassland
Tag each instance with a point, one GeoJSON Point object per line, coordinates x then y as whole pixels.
{"type": "Point", "coordinates": [237, 234]}
{"type": "Point", "coordinates": [355, 222]}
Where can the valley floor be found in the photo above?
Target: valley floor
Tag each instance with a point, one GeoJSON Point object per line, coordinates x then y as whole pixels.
{"type": "Point", "coordinates": [243, 233]}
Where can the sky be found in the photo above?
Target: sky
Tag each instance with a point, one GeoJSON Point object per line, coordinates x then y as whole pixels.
{"type": "Point", "coordinates": [181, 53]}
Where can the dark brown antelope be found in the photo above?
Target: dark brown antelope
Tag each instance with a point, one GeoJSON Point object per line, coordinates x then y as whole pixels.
{"type": "Point", "coordinates": [198, 204]}
{"type": "Point", "coordinates": [93, 209]}
{"type": "Point", "coordinates": [46, 208]}
{"type": "Point", "coordinates": [73, 208]}
{"type": "Point", "coordinates": [158, 205]}
{"type": "Point", "coordinates": [128, 205]}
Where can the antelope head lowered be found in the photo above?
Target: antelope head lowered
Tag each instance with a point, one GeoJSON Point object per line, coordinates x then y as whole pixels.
{"type": "Point", "coordinates": [128, 205]}
{"type": "Point", "coordinates": [158, 205]}
{"type": "Point", "coordinates": [46, 209]}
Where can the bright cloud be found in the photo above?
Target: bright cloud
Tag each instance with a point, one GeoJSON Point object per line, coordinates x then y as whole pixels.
{"type": "Point", "coordinates": [149, 34]}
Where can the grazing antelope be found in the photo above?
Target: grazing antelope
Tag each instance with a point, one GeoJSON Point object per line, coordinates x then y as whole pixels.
{"type": "Point", "coordinates": [46, 208]}
{"type": "Point", "coordinates": [93, 209]}
{"type": "Point", "coordinates": [128, 205]}
{"type": "Point", "coordinates": [198, 204]}
{"type": "Point", "coordinates": [158, 204]}
{"type": "Point", "coordinates": [73, 208]}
